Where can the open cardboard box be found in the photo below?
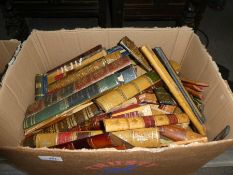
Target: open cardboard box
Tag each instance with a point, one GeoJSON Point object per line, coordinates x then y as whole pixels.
{"type": "Point", "coordinates": [7, 50]}
{"type": "Point", "coordinates": [44, 50]}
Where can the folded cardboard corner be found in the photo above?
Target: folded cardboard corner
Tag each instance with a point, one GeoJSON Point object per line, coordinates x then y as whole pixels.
{"type": "Point", "coordinates": [44, 50]}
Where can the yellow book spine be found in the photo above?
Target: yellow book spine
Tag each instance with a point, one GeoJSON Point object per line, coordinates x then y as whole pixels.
{"type": "Point", "coordinates": [158, 67]}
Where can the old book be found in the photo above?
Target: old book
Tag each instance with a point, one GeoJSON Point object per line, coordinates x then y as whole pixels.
{"type": "Point", "coordinates": [146, 137]}
{"type": "Point", "coordinates": [79, 58]}
{"type": "Point", "coordinates": [134, 51]}
{"type": "Point", "coordinates": [80, 97]}
{"type": "Point", "coordinates": [200, 84]}
{"type": "Point", "coordinates": [40, 86]}
{"type": "Point", "coordinates": [127, 91]}
{"type": "Point", "coordinates": [184, 142]}
{"type": "Point", "coordinates": [195, 93]}
{"type": "Point", "coordinates": [164, 97]}
{"type": "Point", "coordinates": [177, 133]}
{"type": "Point", "coordinates": [178, 93]}
{"type": "Point", "coordinates": [78, 85]}
{"type": "Point", "coordinates": [194, 87]}
{"type": "Point", "coordinates": [46, 123]}
{"type": "Point", "coordinates": [73, 120]}
{"type": "Point", "coordinates": [52, 139]}
{"type": "Point", "coordinates": [196, 116]}
{"type": "Point", "coordinates": [120, 124]}
{"type": "Point", "coordinates": [170, 109]}
{"type": "Point", "coordinates": [79, 75]}
{"type": "Point", "coordinates": [118, 49]}
{"type": "Point", "coordinates": [74, 66]}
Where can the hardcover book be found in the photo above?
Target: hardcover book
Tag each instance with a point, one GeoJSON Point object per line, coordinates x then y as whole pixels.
{"type": "Point", "coordinates": [123, 93]}
{"type": "Point", "coordinates": [88, 70]}
{"type": "Point", "coordinates": [78, 85]}
{"type": "Point", "coordinates": [121, 124]}
{"type": "Point", "coordinates": [134, 51]}
{"type": "Point", "coordinates": [80, 97]}
{"type": "Point", "coordinates": [176, 89]}
{"type": "Point", "coordinates": [63, 71]}
{"type": "Point", "coordinates": [40, 86]}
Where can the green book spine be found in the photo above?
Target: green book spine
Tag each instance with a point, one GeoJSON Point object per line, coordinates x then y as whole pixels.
{"type": "Point", "coordinates": [88, 93]}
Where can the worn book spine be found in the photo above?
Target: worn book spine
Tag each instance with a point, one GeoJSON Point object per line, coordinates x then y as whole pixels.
{"type": "Point", "coordinates": [78, 75]}
{"type": "Point", "coordinates": [168, 108]}
{"type": "Point", "coordinates": [174, 89]}
{"type": "Point", "coordinates": [48, 122]}
{"type": "Point", "coordinates": [199, 84]}
{"type": "Point", "coordinates": [40, 86]}
{"type": "Point", "coordinates": [146, 137]}
{"type": "Point", "coordinates": [134, 51]}
{"type": "Point", "coordinates": [64, 71]}
{"type": "Point", "coordinates": [79, 58]}
{"type": "Point", "coordinates": [164, 97]}
{"type": "Point", "coordinates": [73, 120]}
{"type": "Point", "coordinates": [53, 139]}
{"type": "Point", "coordinates": [118, 49]}
{"type": "Point", "coordinates": [121, 124]}
{"type": "Point", "coordinates": [177, 133]}
{"type": "Point", "coordinates": [127, 91]}
{"type": "Point", "coordinates": [195, 93]}
{"type": "Point", "coordinates": [80, 97]}
{"type": "Point", "coordinates": [77, 86]}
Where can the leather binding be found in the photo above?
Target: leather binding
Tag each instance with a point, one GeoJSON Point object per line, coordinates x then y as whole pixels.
{"type": "Point", "coordinates": [176, 89]}
{"type": "Point", "coordinates": [123, 93]}
{"type": "Point", "coordinates": [78, 85]}
{"type": "Point", "coordinates": [40, 86]}
{"type": "Point", "coordinates": [134, 51]}
{"type": "Point", "coordinates": [164, 97]}
{"type": "Point", "coordinates": [120, 124]}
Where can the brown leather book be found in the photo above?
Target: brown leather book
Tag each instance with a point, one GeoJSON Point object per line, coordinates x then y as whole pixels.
{"type": "Point", "coordinates": [177, 133]}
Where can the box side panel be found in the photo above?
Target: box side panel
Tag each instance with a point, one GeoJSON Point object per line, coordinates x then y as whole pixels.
{"type": "Point", "coordinates": [181, 160]}
{"type": "Point", "coordinates": [198, 65]}
{"type": "Point", "coordinates": [7, 49]}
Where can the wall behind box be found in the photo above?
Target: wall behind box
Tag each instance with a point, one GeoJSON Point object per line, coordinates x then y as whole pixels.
{"type": "Point", "coordinates": [46, 49]}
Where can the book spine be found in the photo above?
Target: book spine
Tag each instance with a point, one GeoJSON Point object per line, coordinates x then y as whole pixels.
{"type": "Point", "coordinates": [120, 124]}
{"type": "Point", "coordinates": [176, 133]}
{"type": "Point", "coordinates": [79, 58]}
{"type": "Point", "coordinates": [40, 86]}
{"type": "Point", "coordinates": [173, 87]}
{"type": "Point", "coordinates": [168, 108]}
{"type": "Point", "coordinates": [83, 82]}
{"type": "Point", "coordinates": [82, 73]}
{"type": "Point", "coordinates": [146, 137]}
{"type": "Point", "coordinates": [118, 49]}
{"type": "Point", "coordinates": [164, 97]}
{"type": "Point", "coordinates": [134, 51]}
{"type": "Point", "coordinates": [64, 71]}
{"type": "Point", "coordinates": [53, 139]}
{"type": "Point", "coordinates": [73, 120]}
{"type": "Point", "coordinates": [127, 91]}
{"type": "Point", "coordinates": [82, 96]}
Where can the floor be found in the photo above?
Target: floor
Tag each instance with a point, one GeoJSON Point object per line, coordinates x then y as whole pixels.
{"type": "Point", "coordinates": [217, 25]}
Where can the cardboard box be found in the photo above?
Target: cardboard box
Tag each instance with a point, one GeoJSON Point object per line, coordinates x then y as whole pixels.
{"type": "Point", "coordinates": [44, 50]}
{"type": "Point", "coordinates": [7, 50]}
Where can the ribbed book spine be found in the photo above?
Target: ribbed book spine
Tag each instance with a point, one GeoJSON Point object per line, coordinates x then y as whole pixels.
{"type": "Point", "coordinates": [76, 65]}
{"type": "Point", "coordinates": [80, 84]}
{"type": "Point", "coordinates": [123, 93]}
{"type": "Point", "coordinates": [40, 86]}
{"type": "Point", "coordinates": [82, 96]}
{"type": "Point", "coordinates": [134, 51]}
{"type": "Point", "coordinates": [73, 120]}
{"type": "Point", "coordinates": [79, 58]}
{"type": "Point", "coordinates": [120, 124]}
{"type": "Point", "coordinates": [53, 139]}
{"type": "Point", "coordinates": [164, 97]}
{"type": "Point", "coordinates": [82, 73]}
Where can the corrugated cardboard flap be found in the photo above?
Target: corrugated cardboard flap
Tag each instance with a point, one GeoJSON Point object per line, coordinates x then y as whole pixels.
{"type": "Point", "coordinates": [165, 161]}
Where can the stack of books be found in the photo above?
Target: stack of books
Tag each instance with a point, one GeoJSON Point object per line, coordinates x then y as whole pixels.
{"type": "Point", "coordinates": [122, 97]}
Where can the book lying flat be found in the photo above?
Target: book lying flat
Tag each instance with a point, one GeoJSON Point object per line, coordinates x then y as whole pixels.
{"type": "Point", "coordinates": [77, 86]}
{"type": "Point", "coordinates": [80, 97]}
